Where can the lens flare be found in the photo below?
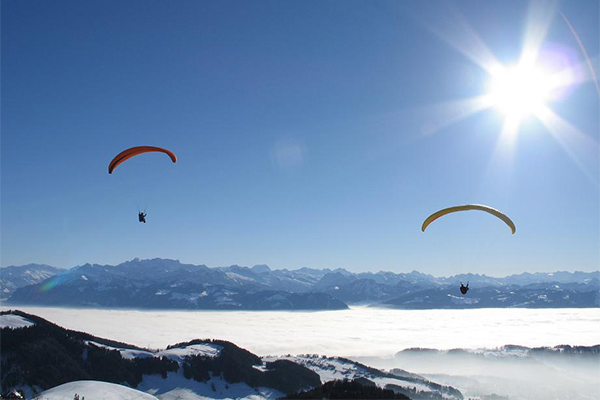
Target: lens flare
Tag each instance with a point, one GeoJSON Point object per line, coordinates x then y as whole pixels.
{"type": "Point", "coordinates": [52, 282]}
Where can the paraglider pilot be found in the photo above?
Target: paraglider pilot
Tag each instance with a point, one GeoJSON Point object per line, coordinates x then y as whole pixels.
{"type": "Point", "coordinates": [142, 217]}
{"type": "Point", "coordinates": [464, 289]}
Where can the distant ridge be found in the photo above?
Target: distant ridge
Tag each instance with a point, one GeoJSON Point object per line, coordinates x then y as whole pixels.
{"type": "Point", "coordinates": [170, 284]}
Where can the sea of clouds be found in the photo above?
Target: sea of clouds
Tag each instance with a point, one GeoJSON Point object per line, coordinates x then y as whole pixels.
{"type": "Point", "coordinates": [357, 332]}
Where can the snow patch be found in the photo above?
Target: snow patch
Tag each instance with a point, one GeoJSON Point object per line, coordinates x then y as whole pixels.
{"type": "Point", "coordinates": [334, 368]}
{"type": "Point", "coordinates": [190, 297]}
{"type": "Point", "coordinates": [462, 300]}
{"type": "Point", "coordinates": [125, 353]}
{"type": "Point", "coordinates": [261, 368]}
{"type": "Point", "coordinates": [179, 353]}
{"type": "Point", "coordinates": [176, 386]}
{"type": "Point", "coordinates": [237, 277]}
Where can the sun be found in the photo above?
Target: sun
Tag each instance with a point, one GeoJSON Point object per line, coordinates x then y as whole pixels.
{"type": "Point", "coordinates": [520, 91]}
{"type": "Point", "coordinates": [530, 87]}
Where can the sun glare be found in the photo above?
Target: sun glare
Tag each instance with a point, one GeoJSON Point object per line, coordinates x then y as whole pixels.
{"type": "Point", "coordinates": [544, 73]}
{"type": "Point", "coordinates": [520, 91]}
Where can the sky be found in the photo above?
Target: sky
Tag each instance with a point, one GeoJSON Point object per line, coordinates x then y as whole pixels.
{"type": "Point", "coordinates": [308, 133]}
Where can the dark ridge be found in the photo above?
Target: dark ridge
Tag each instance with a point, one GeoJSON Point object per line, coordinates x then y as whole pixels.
{"type": "Point", "coordinates": [44, 355]}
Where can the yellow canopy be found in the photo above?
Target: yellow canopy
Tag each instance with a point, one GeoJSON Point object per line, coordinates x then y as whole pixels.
{"type": "Point", "coordinates": [468, 207]}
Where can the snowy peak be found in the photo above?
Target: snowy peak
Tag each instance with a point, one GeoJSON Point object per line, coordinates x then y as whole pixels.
{"type": "Point", "coordinates": [14, 277]}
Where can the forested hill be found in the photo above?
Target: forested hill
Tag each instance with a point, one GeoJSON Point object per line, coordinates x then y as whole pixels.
{"type": "Point", "coordinates": [31, 355]}
{"type": "Point", "coordinates": [37, 355]}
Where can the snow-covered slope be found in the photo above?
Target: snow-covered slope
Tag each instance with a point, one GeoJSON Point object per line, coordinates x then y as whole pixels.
{"type": "Point", "coordinates": [177, 386]}
{"type": "Point", "coordinates": [412, 385]}
{"type": "Point", "coordinates": [93, 390]}
{"type": "Point", "coordinates": [176, 354]}
{"type": "Point", "coordinates": [14, 321]}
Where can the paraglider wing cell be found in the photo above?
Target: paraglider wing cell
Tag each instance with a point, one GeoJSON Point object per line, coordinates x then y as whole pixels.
{"type": "Point", "coordinates": [468, 207]}
{"type": "Point", "coordinates": [134, 151]}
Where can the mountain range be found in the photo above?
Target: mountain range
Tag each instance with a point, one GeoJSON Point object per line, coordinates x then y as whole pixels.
{"type": "Point", "coordinates": [169, 284]}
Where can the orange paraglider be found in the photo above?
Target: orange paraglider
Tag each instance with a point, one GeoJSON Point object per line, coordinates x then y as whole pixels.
{"type": "Point", "coordinates": [134, 151]}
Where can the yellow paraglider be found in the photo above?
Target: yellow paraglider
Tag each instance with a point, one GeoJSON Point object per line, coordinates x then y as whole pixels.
{"type": "Point", "coordinates": [468, 207]}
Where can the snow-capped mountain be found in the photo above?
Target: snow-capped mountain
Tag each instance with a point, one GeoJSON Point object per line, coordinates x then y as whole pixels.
{"type": "Point", "coordinates": [164, 283]}
{"type": "Point", "coordinates": [168, 284]}
{"type": "Point", "coordinates": [14, 277]}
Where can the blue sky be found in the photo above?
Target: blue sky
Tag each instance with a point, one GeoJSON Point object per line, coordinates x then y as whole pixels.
{"type": "Point", "coordinates": [309, 134]}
